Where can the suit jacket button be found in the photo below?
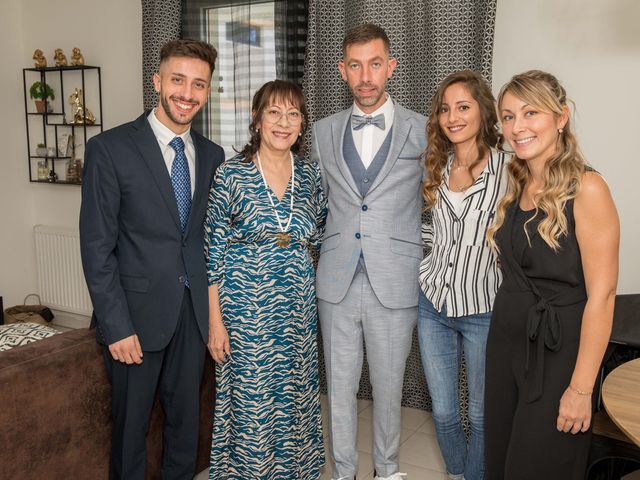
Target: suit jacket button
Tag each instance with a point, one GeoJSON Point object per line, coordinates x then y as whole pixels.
{"type": "Point", "coordinates": [181, 278]}
{"type": "Point", "coordinates": [364, 208]}
{"type": "Point", "coordinates": [357, 235]}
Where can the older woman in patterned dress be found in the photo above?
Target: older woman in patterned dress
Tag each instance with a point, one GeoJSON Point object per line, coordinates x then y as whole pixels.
{"type": "Point", "coordinates": [266, 209]}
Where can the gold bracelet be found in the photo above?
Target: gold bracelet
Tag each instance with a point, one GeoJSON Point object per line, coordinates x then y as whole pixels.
{"type": "Point", "coordinates": [579, 392]}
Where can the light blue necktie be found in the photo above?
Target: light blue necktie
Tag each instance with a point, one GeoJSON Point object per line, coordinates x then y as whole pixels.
{"type": "Point", "coordinates": [181, 181]}
{"type": "Point", "coordinates": [359, 121]}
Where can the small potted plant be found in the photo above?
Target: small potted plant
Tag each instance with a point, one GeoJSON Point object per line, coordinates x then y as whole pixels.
{"type": "Point", "coordinates": [41, 150]}
{"type": "Point", "coordinates": [40, 92]}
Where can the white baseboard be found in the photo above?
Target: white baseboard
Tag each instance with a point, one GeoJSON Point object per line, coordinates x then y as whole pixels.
{"type": "Point", "coordinates": [70, 320]}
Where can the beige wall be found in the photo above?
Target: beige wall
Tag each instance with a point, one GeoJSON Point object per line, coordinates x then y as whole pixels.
{"type": "Point", "coordinates": [17, 267]}
{"type": "Point", "coordinates": [109, 35]}
{"type": "Point", "coordinates": [593, 47]}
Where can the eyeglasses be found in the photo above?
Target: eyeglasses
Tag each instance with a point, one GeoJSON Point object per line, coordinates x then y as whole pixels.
{"type": "Point", "coordinates": [273, 115]}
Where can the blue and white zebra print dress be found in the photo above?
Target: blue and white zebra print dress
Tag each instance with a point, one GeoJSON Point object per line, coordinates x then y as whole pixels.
{"type": "Point", "coordinates": [267, 422]}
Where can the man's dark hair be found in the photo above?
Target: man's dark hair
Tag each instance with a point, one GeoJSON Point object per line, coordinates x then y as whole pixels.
{"type": "Point", "coordinates": [363, 34]}
{"type": "Point", "coordinates": [189, 48]}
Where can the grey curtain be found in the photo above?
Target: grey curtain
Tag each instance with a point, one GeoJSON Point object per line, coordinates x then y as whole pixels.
{"type": "Point", "coordinates": [160, 23]}
{"type": "Point", "coordinates": [430, 39]}
{"type": "Point", "coordinates": [291, 38]}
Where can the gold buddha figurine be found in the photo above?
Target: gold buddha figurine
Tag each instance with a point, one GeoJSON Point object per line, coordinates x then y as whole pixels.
{"type": "Point", "coordinates": [38, 56]}
{"type": "Point", "coordinates": [60, 58]}
{"type": "Point", "coordinates": [76, 57]}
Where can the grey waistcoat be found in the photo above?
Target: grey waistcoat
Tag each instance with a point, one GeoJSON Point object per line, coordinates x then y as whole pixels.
{"type": "Point", "coordinates": [363, 177]}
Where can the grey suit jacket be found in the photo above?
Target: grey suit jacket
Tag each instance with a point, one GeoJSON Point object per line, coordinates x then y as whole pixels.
{"type": "Point", "coordinates": [385, 223]}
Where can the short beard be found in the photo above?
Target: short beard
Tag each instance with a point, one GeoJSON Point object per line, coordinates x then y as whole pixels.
{"type": "Point", "coordinates": [167, 110]}
{"type": "Point", "coordinates": [370, 101]}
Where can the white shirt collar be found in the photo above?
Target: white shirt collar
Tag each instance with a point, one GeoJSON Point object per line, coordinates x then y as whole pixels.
{"type": "Point", "coordinates": [163, 133]}
{"type": "Point", "coordinates": [387, 108]}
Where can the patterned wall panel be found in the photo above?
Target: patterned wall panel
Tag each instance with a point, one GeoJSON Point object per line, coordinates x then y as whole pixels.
{"type": "Point", "coordinates": [161, 20]}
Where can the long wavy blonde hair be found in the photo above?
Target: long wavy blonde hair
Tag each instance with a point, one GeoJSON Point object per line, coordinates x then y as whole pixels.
{"type": "Point", "coordinates": [562, 172]}
{"type": "Point", "coordinates": [440, 147]}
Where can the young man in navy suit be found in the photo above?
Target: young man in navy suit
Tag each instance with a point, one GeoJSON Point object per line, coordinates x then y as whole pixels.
{"type": "Point", "coordinates": [144, 198]}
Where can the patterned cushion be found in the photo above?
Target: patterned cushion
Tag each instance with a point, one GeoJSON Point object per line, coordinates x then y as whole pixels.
{"type": "Point", "coordinates": [16, 334]}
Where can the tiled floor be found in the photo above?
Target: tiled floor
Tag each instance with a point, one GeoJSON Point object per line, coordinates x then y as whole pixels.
{"type": "Point", "coordinates": [420, 456]}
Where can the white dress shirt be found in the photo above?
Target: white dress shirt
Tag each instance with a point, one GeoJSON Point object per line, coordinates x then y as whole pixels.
{"type": "Point", "coordinates": [370, 138]}
{"type": "Point", "coordinates": [164, 135]}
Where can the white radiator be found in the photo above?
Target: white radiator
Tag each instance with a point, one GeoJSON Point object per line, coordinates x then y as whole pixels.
{"type": "Point", "coordinates": [60, 279]}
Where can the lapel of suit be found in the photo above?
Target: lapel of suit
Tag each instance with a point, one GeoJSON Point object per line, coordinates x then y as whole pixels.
{"type": "Point", "coordinates": [399, 134]}
{"type": "Point", "coordinates": [149, 149]}
{"type": "Point", "coordinates": [338, 129]}
{"type": "Point", "coordinates": [201, 183]}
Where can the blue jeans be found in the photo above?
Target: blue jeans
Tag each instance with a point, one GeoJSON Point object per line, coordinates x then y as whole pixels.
{"type": "Point", "coordinates": [442, 340]}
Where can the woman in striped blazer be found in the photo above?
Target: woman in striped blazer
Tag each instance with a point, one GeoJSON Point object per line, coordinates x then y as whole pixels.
{"type": "Point", "coordinates": [459, 276]}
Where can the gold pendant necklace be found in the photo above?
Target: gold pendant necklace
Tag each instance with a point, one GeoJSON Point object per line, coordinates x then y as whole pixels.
{"type": "Point", "coordinates": [462, 188]}
{"type": "Point", "coordinates": [455, 166]}
{"type": "Point", "coordinates": [283, 239]}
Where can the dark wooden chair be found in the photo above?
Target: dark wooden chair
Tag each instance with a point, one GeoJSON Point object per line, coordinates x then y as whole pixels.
{"type": "Point", "coordinates": [612, 453]}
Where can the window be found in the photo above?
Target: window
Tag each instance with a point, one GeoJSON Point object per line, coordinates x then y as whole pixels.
{"type": "Point", "coordinates": [245, 39]}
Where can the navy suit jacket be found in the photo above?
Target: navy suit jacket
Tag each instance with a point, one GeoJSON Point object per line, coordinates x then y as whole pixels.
{"type": "Point", "coordinates": [134, 255]}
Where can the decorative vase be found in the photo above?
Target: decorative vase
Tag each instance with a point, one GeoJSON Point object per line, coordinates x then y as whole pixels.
{"type": "Point", "coordinates": [43, 170]}
{"type": "Point", "coordinates": [74, 170]}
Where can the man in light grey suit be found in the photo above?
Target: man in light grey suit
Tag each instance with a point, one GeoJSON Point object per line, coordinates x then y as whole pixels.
{"type": "Point", "coordinates": [367, 278]}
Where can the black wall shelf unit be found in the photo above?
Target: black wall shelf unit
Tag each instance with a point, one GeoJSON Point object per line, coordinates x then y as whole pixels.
{"type": "Point", "coordinates": [57, 121]}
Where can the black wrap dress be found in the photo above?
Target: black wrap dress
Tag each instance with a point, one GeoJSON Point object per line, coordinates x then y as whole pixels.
{"type": "Point", "coordinates": [531, 354]}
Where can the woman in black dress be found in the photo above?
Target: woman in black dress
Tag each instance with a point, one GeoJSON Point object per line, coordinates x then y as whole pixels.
{"type": "Point", "coordinates": [557, 234]}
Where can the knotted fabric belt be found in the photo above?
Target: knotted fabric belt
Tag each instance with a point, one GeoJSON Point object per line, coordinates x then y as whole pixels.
{"type": "Point", "coordinates": [545, 330]}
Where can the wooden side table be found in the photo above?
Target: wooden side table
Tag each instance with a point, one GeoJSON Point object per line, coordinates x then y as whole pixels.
{"type": "Point", "coordinates": [620, 394]}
